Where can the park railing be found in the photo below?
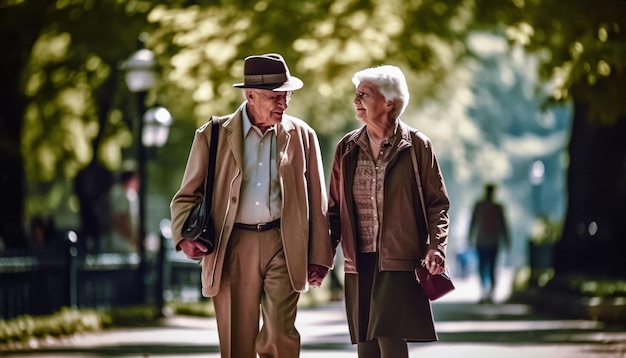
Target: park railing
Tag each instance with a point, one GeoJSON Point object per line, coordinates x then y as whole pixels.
{"type": "Point", "coordinates": [42, 282]}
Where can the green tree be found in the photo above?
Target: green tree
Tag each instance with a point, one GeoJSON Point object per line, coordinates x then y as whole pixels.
{"type": "Point", "coordinates": [59, 80]}
{"type": "Point", "coordinates": [70, 108]}
{"type": "Point", "coordinates": [582, 45]}
{"type": "Point", "coordinates": [64, 103]}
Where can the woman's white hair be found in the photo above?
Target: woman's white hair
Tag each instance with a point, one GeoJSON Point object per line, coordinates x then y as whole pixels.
{"type": "Point", "coordinates": [390, 82]}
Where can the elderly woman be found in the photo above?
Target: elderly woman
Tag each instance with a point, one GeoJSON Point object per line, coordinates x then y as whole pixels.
{"type": "Point", "coordinates": [377, 214]}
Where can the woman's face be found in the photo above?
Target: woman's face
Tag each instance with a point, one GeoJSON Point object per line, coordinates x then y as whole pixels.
{"type": "Point", "coordinates": [370, 105]}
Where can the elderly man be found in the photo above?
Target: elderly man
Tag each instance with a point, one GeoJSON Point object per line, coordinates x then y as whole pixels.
{"type": "Point", "coordinates": [270, 213]}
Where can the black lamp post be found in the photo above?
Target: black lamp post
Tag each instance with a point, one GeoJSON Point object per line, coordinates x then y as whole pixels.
{"type": "Point", "coordinates": [156, 127]}
{"type": "Point", "coordinates": [536, 176]}
{"type": "Point", "coordinates": [152, 130]}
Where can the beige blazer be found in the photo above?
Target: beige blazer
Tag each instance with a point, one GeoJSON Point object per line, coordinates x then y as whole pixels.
{"type": "Point", "coordinates": [304, 225]}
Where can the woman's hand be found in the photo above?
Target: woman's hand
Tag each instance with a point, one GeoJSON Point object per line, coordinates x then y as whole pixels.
{"type": "Point", "coordinates": [435, 262]}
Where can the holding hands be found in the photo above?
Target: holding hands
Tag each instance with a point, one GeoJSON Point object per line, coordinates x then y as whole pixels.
{"type": "Point", "coordinates": [316, 275]}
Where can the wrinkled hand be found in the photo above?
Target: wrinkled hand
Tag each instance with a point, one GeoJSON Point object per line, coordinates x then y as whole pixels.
{"type": "Point", "coordinates": [193, 249]}
{"type": "Point", "coordinates": [316, 275]}
{"type": "Point", "coordinates": [435, 262]}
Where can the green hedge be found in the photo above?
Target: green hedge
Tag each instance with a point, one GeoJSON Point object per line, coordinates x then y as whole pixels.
{"type": "Point", "coordinates": [63, 323]}
{"type": "Point", "coordinates": [67, 322]}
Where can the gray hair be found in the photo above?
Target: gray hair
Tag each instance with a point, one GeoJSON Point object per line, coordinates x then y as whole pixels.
{"type": "Point", "coordinates": [390, 82]}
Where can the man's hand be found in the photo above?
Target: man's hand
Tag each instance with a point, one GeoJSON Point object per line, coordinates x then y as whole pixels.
{"type": "Point", "coordinates": [435, 262]}
{"type": "Point", "coordinates": [194, 250]}
{"type": "Point", "coordinates": [316, 275]}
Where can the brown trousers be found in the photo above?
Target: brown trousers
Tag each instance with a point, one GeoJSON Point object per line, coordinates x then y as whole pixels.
{"type": "Point", "coordinates": [256, 282]}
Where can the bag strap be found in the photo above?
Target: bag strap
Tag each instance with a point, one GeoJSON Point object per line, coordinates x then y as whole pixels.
{"type": "Point", "coordinates": [418, 180]}
{"type": "Point", "coordinates": [424, 224]}
{"type": "Point", "coordinates": [210, 177]}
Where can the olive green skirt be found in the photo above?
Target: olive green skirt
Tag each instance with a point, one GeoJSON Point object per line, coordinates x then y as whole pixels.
{"type": "Point", "coordinates": [386, 304]}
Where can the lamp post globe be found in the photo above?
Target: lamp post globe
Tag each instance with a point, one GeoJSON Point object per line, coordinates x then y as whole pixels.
{"type": "Point", "coordinates": [140, 71]}
{"type": "Point", "coordinates": [156, 126]}
{"type": "Point", "coordinates": [536, 177]}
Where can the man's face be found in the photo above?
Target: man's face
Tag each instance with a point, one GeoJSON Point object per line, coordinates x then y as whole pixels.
{"type": "Point", "coordinates": [266, 107]}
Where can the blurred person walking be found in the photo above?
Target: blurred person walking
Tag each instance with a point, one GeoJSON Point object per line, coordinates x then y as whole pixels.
{"type": "Point", "coordinates": [385, 222]}
{"type": "Point", "coordinates": [270, 210]}
{"type": "Point", "coordinates": [487, 233]}
{"type": "Point", "coordinates": [124, 236]}
{"type": "Point", "coordinates": [92, 186]}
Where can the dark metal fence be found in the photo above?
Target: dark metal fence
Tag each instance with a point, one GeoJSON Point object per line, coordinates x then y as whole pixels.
{"type": "Point", "coordinates": [39, 283]}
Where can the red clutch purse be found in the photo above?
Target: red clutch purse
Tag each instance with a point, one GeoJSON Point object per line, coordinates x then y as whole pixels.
{"type": "Point", "coordinates": [434, 286]}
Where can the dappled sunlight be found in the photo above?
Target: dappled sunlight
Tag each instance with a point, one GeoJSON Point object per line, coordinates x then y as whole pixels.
{"type": "Point", "coordinates": [520, 33]}
{"type": "Point", "coordinates": [444, 55]}
{"type": "Point", "coordinates": [46, 159]}
{"type": "Point", "coordinates": [110, 149]}
{"type": "Point", "coordinates": [339, 7]}
{"type": "Point", "coordinates": [323, 28]}
{"type": "Point", "coordinates": [80, 137]}
{"type": "Point", "coordinates": [486, 44]}
{"type": "Point", "coordinates": [51, 47]}
{"type": "Point", "coordinates": [325, 90]}
{"type": "Point", "coordinates": [531, 145]}
{"type": "Point", "coordinates": [494, 163]}
{"type": "Point", "coordinates": [181, 63]}
{"type": "Point", "coordinates": [74, 100]}
{"type": "Point", "coordinates": [34, 82]}
{"type": "Point", "coordinates": [223, 52]}
{"type": "Point", "coordinates": [315, 57]}
{"type": "Point", "coordinates": [306, 44]}
{"type": "Point", "coordinates": [355, 49]}
{"type": "Point", "coordinates": [357, 20]}
{"type": "Point", "coordinates": [204, 92]}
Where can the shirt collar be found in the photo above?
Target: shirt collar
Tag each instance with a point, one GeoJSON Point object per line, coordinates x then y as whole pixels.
{"type": "Point", "coordinates": [246, 125]}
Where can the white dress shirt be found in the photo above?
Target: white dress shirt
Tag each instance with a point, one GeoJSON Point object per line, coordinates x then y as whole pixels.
{"type": "Point", "coordinates": [260, 199]}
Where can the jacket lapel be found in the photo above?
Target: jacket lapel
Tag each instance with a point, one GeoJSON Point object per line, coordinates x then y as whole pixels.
{"type": "Point", "coordinates": [233, 127]}
{"type": "Point", "coordinates": [283, 138]}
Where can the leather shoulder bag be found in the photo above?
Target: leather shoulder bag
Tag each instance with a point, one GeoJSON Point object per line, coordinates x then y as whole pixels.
{"type": "Point", "coordinates": [199, 225]}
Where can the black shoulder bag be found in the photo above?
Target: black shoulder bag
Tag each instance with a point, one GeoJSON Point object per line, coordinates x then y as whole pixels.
{"type": "Point", "coordinates": [199, 225]}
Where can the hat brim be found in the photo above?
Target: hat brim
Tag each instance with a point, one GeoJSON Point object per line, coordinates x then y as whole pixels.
{"type": "Point", "coordinates": [292, 84]}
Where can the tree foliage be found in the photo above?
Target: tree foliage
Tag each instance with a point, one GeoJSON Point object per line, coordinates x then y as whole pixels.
{"type": "Point", "coordinates": [325, 42]}
{"type": "Point", "coordinates": [66, 103]}
{"type": "Point", "coordinates": [71, 85]}
{"type": "Point", "coordinates": [582, 45]}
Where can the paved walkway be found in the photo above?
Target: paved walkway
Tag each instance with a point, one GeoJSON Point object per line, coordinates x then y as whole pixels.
{"type": "Point", "coordinates": [465, 329]}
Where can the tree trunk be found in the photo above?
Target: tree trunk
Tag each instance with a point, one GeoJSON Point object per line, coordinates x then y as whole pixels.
{"type": "Point", "coordinates": [11, 169]}
{"type": "Point", "coordinates": [594, 235]}
{"type": "Point", "coordinates": [14, 56]}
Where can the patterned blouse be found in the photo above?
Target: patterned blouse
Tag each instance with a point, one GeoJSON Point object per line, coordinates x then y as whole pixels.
{"type": "Point", "coordinates": [368, 190]}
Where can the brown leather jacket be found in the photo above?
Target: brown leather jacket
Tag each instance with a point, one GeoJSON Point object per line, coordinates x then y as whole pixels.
{"type": "Point", "coordinates": [403, 242]}
{"type": "Point", "coordinates": [304, 225]}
